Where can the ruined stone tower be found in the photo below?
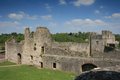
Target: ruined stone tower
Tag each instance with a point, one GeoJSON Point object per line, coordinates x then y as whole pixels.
{"type": "Point", "coordinates": [108, 38]}
{"type": "Point", "coordinates": [99, 43]}
{"type": "Point", "coordinates": [34, 45]}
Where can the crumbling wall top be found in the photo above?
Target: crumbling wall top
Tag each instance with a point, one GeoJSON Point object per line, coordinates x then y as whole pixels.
{"type": "Point", "coordinates": [41, 29]}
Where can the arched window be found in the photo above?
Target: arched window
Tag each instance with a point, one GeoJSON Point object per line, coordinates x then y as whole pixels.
{"type": "Point", "coordinates": [88, 66]}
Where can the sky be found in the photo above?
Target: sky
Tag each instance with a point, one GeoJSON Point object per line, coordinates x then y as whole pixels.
{"type": "Point", "coordinates": [60, 15]}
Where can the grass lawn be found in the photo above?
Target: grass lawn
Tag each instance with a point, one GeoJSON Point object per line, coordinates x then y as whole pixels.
{"type": "Point", "coordinates": [6, 63]}
{"type": "Point", "coordinates": [32, 73]}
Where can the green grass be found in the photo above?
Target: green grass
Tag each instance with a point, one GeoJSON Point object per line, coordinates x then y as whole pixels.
{"type": "Point", "coordinates": [32, 73]}
{"type": "Point", "coordinates": [6, 63]}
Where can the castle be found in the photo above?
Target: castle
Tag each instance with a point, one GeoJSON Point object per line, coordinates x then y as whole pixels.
{"type": "Point", "coordinates": [39, 49]}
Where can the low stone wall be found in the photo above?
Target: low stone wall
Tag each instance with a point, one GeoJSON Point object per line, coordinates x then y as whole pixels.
{"type": "Point", "coordinates": [72, 46]}
{"type": "Point", "coordinates": [74, 64]}
{"type": "Point", "coordinates": [61, 52]}
{"type": "Point", "coordinates": [12, 49]}
{"type": "Point", "coordinates": [111, 54]}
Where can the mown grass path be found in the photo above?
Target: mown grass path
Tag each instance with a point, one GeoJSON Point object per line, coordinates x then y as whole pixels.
{"type": "Point", "coordinates": [6, 63]}
{"type": "Point", "coordinates": [24, 72]}
{"type": "Point", "coordinates": [9, 65]}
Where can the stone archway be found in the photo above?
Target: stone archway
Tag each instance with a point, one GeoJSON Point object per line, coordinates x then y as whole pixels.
{"type": "Point", "coordinates": [19, 58]}
{"type": "Point", "coordinates": [88, 66]}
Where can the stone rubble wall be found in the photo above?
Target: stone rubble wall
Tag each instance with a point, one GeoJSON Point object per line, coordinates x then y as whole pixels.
{"type": "Point", "coordinates": [12, 49]}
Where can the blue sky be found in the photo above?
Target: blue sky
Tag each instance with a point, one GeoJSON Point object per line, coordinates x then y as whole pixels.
{"type": "Point", "coordinates": [60, 15]}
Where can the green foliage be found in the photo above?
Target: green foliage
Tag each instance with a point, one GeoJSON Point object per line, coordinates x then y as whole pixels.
{"type": "Point", "coordinates": [71, 37]}
{"type": "Point", "coordinates": [19, 37]}
{"type": "Point", "coordinates": [5, 37]}
{"type": "Point", "coordinates": [60, 37]}
{"type": "Point", "coordinates": [32, 73]}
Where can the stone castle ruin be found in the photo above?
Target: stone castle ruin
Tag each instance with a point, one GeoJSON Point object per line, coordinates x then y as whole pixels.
{"type": "Point", "coordinates": [39, 49]}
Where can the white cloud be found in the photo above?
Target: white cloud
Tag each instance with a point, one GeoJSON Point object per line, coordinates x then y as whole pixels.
{"type": "Point", "coordinates": [97, 11]}
{"type": "Point", "coordinates": [83, 2]}
{"type": "Point", "coordinates": [47, 17]}
{"type": "Point", "coordinates": [9, 24]}
{"type": "Point", "coordinates": [114, 16]}
{"type": "Point", "coordinates": [47, 6]}
{"type": "Point", "coordinates": [85, 23]}
{"type": "Point", "coordinates": [62, 2]}
{"type": "Point", "coordinates": [21, 15]}
{"type": "Point", "coordinates": [16, 16]}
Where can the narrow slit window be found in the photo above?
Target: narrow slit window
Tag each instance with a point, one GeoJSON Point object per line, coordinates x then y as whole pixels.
{"type": "Point", "coordinates": [31, 57]}
{"type": "Point", "coordinates": [42, 49]}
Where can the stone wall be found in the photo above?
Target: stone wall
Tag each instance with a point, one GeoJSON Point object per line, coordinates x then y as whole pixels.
{"type": "Point", "coordinates": [70, 48]}
{"type": "Point", "coordinates": [12, 50]}
{"type": "Point", "coordinates": [113, 54]}
{"type": "Point", "coordinates": [74, 64]}
{"type": "Point", "coordinates": [27, 47]}
{"type": "Point", "coordinates": [35, 44]}
{"type": "Point", "coordinates": [100, 41]}
{"type": "Point", "coordinates": [61, 52]}
{"type": "Point", "coordinates": [97, 45]}
{"type": "Point", "coordinates": [108, 37]}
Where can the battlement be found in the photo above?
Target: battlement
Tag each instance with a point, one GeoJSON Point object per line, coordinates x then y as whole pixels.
{"type": "Point", "coordinates": [106, 32]}
{"type": "Point", "coordinates": [108, 35]}
{"type": "Point", "coordinates": [40, 28]}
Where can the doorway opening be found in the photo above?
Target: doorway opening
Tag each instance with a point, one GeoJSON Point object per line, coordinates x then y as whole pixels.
{"type": "Point", "coordinates": [19, 58]}
{"type": "Point", "coordinates": [41, 64]}
{"type": "Point", "coordinates": [54, 65]}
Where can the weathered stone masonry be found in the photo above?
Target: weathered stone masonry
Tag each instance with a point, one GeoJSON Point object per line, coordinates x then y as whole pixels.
{"type": "Point", "coordinates": [40, 50]}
